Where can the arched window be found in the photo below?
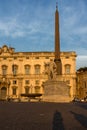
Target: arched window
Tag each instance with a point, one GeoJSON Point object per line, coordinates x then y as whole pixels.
{"type": "Point", "coordinates": [37, 69]}
{"type": "Point", "coordinates": [4, 70]}
{"type": "Point", "coordinates": [67, 69]}
{"type": "Point", "coordinates": [14, 69]}
{"type": "Point", "coordinates": [27, 69]}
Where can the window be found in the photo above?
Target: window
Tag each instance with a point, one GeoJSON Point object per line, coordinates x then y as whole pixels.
{"type": "Point", "coordinates": [37, 82]}
{"type": "Point", "coordinates": [27, 69]}
{"type": "Point", "coordinates": [37, 69]}
{"type": "Point", "coordinates": [67, 57]}
{"type": "Point", "coordinates": [14, 82]}
{"type": "Point", "coordinates": [14, 91]}
{"type": "Point", "coordinates": [37, 89]}
{"type": "Point", "coordinates": [4, 58]}
{"type": "Point", "coordinates": [15, 58]}
{"type": "Point", "coordinates": [14, 69]}
{"type": "Point", "coordinates": [84, 84]}
{"type": "Point", "coordinates": [37, 57]}
{"type": "Point", "coordinates": [26, 90]}
{"type": "Point", "coordinates": [27, 57]}
{"type": "Point", "coordinates": [27, 82]}
{"type": "Point", "coordinates": [47, 57]}
{"type": "Point", "coordinates": [4, 70]}
{"type": "Point", "coordinates": [67, 69]}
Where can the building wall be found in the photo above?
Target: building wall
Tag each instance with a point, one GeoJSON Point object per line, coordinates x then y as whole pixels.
{"type": "Point", "coordinates": [81, 84]}
{"type": "Point", "coordinates": [32, 81]}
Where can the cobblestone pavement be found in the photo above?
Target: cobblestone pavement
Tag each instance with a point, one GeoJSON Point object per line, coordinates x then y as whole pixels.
{"type": "Point", "coordinates": [43, 116]}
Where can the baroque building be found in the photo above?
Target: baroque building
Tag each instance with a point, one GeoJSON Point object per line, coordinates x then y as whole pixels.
{"type": "Point", "coordinates": [81, 88]}
{"type": "Point", "coordinates": [23, 72]}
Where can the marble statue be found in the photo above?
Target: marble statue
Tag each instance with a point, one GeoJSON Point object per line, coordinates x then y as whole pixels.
{"type": "Point", "coordinates": [50, 69]}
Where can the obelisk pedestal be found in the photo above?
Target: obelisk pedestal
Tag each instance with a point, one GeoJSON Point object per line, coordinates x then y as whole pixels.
{"type": "Point", "coordinates": [56, 91]}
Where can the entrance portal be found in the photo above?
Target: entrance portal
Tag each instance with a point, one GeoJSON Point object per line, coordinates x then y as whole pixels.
{"type": "Point", "coordinates": [3, 93]}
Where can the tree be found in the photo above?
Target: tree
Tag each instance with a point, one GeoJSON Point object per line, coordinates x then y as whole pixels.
{"type": "Point", "coordinates": [83, 69]}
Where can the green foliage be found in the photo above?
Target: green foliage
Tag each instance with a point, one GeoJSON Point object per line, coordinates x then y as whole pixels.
{"type": "Point", "coordinates": [82, 69]}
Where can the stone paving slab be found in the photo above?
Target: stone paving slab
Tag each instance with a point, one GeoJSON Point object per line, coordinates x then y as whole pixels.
{"type": "Point", "coordinates": [43, 116]}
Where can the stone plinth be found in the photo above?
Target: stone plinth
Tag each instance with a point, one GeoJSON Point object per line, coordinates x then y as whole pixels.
{"type": "Point", "coordinates": [56, 91]}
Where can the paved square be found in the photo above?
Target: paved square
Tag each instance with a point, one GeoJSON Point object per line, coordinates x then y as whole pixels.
{"type": "Point", "coordinates": [43, 116]}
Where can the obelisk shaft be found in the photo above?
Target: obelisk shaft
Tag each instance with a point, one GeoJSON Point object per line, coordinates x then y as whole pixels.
{"type": "Point", "coordinates": [57, 36]}
{"type": "Point", "coordinates": [57, 44]}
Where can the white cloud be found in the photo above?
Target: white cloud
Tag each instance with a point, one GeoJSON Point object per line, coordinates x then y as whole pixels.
{"type": "Point", "coordinates": [74, 27]}
{"type": "Point", "coordinates": [81, 61]}
{"type": "Point", "coordinates": [10, 28]}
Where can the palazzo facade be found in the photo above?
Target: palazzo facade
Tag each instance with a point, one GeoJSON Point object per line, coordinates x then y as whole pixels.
{"type": "Point", "coordinates": [24, 72]}
{"type": "Point", "coordinates": [81, 84]}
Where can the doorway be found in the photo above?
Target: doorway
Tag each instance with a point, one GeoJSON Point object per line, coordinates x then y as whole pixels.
{"type": "Point", "coordinates": [3, 92]}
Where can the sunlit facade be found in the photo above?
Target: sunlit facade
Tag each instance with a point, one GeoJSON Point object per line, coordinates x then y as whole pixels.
{"type": "Point", "coordinates": [81, 89]}
{"type": "Point", "coordinates": [23, 72]}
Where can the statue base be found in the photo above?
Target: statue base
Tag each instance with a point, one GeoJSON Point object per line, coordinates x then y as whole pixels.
{"type": "Point", "coordinates": [56, 91]}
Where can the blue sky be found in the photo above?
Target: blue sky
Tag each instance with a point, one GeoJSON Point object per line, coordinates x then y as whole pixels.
{"type": "Point", "coordinates": [28, 25]}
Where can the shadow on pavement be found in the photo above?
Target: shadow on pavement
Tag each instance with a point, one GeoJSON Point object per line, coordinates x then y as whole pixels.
{"type": "Point", "coordinates": [57, 121]}
{"type": "Point", "coordinates": [80, 118]}
{"type": "Point", "coordinates": [83, 105]}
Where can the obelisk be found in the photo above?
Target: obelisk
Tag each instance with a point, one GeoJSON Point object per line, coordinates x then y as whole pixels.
{"type": "Point", "coordinates": [56, 90]}
{"type": "Point", "coordinates": [57, 59]}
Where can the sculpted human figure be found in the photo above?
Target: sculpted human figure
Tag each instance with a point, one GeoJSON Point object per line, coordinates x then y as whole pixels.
{"type": "Point", "coordinates": [51, 69]}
